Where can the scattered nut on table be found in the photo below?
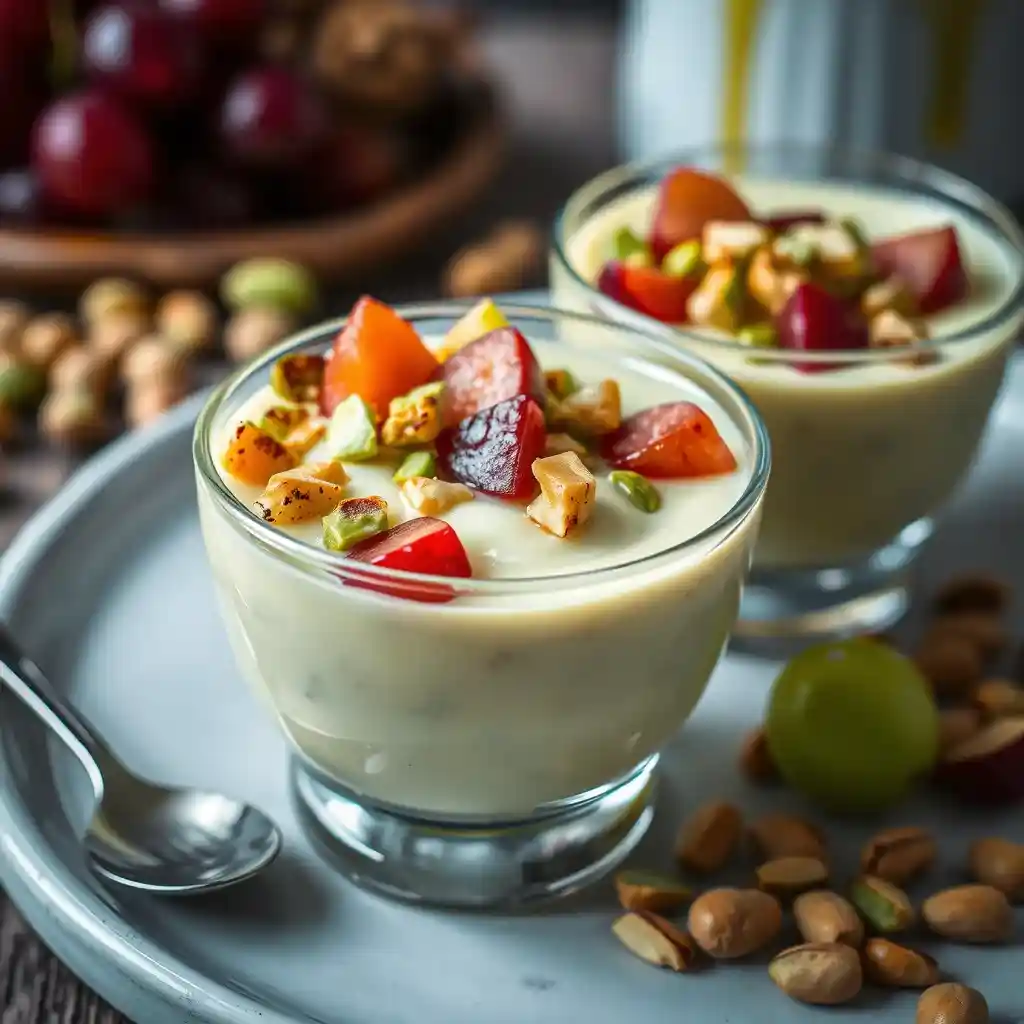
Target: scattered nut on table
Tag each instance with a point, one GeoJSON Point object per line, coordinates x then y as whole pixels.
{"type": "Point", "coordinates": [188, 320]}
{"type": "Point", "coordinates": [507, 260]}
{"type": "Point", "coordinates": [250, 332]}
{"type": "Point", "coordinates": [73, 417]}
{"type": "Point", "coordinates": [44, 338]}
{"type": "Point", "coordinates": [112, 296]}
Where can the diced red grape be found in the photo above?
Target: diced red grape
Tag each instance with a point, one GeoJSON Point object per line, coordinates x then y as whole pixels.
{"type": "Point", "coordinates": [929, 264]}
{"type": "Point", "coordinates": [231, 23]}
{"type": "Point", "coordinates": [425, 545]}
{"type": "Point", "coordinates": [142, 55]}
{"type": "Point", "coordinates": [669, 441]}
{"type": "Point", "coordinates": [272, 119]}
{"type": "Point", "coordinates": [493, 450]}
{"type": "Point", "coordinates": [781, 222]}
{"type": "Point", "coordinates": [92, 156]}
{"type": "Point", "coordinates": [498, 366]}
{"type": "Point", "coordinates": [647, 290]}
{"type": "Point", "coordinates": [815, 320]}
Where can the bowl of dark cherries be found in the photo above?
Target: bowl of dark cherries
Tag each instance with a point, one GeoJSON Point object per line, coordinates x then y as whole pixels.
{"type": "Point", "coordinates": [176, 137]}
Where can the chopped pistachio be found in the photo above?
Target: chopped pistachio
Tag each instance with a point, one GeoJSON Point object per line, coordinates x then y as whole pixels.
{"type": "Point", "coordinates": [719, 299]}
{"type": "Point", "coordinates": [416, 464]}
{"type": "Point", "coordinates": [855, 233]}
{"type": "Point", "coordinates": [638, 489]}
{"type": "Point", "coordinates": [567, 493]}
{"type": "Point", "coordinates": [355, 519]}
{"type": "Point", "coordinates": [305, 437]}
{"type": "Point", "coordinates": [890, 294]}
{"type": "Point", "coordinates": [483, 318]}
{"type": "Point", "coordinates": [434, 497]}
{"type": "Point", "coordinates": [588, 411]}
{"type": "Point", "coordinates": [414, 418]}
{"type": "Point", "coordinates": [797, 250]}
{"type": "Point", "coordinates": [561, 383]}
{"type": "Point", "coordinates": [21, 385]}
{"type": "Point", "coordinates": [639, 259]}
{"type": "Point", "coordinates": [684, 260]}
{"type": "Point", "coordinates": [352, 432]}
{"type": "Point", "coordinates": [770, 284]}
{"type": "Point", "coordinates": [731, 240]}
{"type": "Point", "coordinates": [298, 378]}
{"type": "Point", "coordinates": [758, 335]}
{"type": "Point", "coordinates": [627, 244]}
{"type": "Point", "coordinates": [280, 420]}
{"type": "Point", "coordinates": [303, 493]}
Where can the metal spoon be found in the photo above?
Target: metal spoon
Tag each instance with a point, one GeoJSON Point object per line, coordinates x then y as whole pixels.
{"type": "Point", "coordinates": [162, 840]}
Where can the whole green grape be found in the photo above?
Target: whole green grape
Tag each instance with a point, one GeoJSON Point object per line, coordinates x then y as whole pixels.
{"type": "Point", "coordinates": [852, 724]}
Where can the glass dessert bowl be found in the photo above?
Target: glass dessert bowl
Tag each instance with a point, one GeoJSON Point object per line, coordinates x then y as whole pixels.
{"type": "Point", "coordinates": [866, 303]}
{"type": "Point", "coordinates": [476, 631]}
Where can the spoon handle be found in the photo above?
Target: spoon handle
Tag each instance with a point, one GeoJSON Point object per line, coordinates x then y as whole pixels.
{"type": "Point", "coordinates": [25, 679]}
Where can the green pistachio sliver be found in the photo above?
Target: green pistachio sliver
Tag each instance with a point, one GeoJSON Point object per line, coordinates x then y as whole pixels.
{"type": "Point", "coordinates": [855, 233]}
{"type": "Point", "coordinates": [21, 386]}
{"type": "Point", "coordinates": [561, 383]}
{"type": "Point", "coordinates": [352, 432]}
{"type": "Point", "coordinates": [416, 464]}
{"type": "Point", "coordinates": [355, 519]}
{"type": "Point", "coordinates": [735, 295]}
{"type": "Point", "coordinates": [298, 378]}
{"type": "Point", "coordinates": [684, 260]}
{"type": "Point", "coordinates": [758, 336]}
{"type": "Point", "coordinates": [628, 244]}
{"type": "Point", "coordinates": [801, 251]}
{"type": "Point", "coordinates": [637, 489]}
{"type": "Point", "coordinates": [885, 907]}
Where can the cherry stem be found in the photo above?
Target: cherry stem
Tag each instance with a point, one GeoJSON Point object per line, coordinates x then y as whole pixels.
{"type": "Point", "coordinates": [65, 43]}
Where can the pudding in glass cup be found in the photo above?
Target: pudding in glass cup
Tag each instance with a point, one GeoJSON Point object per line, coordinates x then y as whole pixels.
{"type": "Point", "coordinates": [481, 574]}
{"type": "Point", "coordinates": [867, 304]}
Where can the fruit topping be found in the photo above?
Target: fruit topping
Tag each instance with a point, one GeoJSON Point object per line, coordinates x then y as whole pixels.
{"type": "Point", "coordinates": [639, 491]}
{"type": "Point", "coordinates": [494, 450]}
{"type": "Point", "coordinates": [253, 456]}
{"type": "Point", "coordinates": [590, 411]}
{"type": "Point", "coordinates": [785, 220]}
{"type": "Point", "coordinates": [731, 240]}
{"type": "Point", "coordinates": [293, 427]}
{"type": "Point", "coordinates": [416, 464]}
{"type": "Point", "coordinates": [352, 432]}
{"type": "Point", "coordinates": [303, 493]}
{"type": "Point", "coordinates": [929, 263]}
{"type": "Point", "coordinates": [424, 545]}
{"type": "Point", "coordinates": [492, 369]}
{"type": "Point", "coordinates": [354, 520]}
{"type": "Point", "coordinates": [687, 200]}
{"type": "Point", "coordinates": [719, 301]}
{"type": "Point", "coordinates": [814, 320]}
{"type": "Point", "coordinates": [414, 418]}
{"type": "Point", "coordinates": [648, 290]}
{"type": "Point", "coordinates": [298, 378]}
{"type": "Point", "coordinates": [432, 497]}
{"type": "Point", "coordinates": [567, 493]}
{"type": "Point", "coordinates": [672, 440]}
{"type": "Point", "coordinates": [772, 279]}
{"type": "Point", "coordinates": [378, 356]}
{"type": "Point", "coordinates": [483, 318]}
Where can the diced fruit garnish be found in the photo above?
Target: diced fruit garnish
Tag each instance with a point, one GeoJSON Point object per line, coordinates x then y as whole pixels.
{"type": "Point", "coordinates": [891, 330]}
{"type": "Point", "coordinates": [352, 432]}
{"type": "Point", "coordinates": [930, 264]}
{"type": "Point", "coordinates": [483, 318]}
{"type": "Point", "coordinates": [770, 283]}
{"type": "Point", "coordinates": [354, 520]}
{"type": "Point", "coordinates": [731, 240]}
{"type": "Point", "coordinates": [685, 260]}
{"type": "Point", "coordinates": [628, 245]}
{"type": "Point", "coordinates": [892, 294]}
{"type": "Point", "coordinates": [298, 378]}
{"type": "Point", "coordinates": [567, 493]}
{"type": "Point", "coordinates": [493, 450]}
{"type": "Point", "coordinates": [378, 356]}
{"type": "Point", "coordinates": [781, 222]}
{"type": "Point", "coordinates": [560, 383]}
{"type": "Point", "coordinates": [432, 497]}
{"type": "Point", "coordinates": [414, 418]}
{"type": "Point", "coordinates": [253, 456]}
{"type": "Point", "coordinates": [638, 490]}
{"type": "Point", "coordinates": [416, 464]}
{"type": "Point", "coordinates": [590, 411]}
{"type": "Point", "coordinates": [720, 299]}
{"type": "Point", "coordinates": [673, 440]}
{"type": "Point", "coordinates": [758, 336]}
{"type": "Point", "coordinates": [648, 290]}
{"type": "Point", "coordinates": [687, 200]}
{"type": "Point", "coordinates": [556, 444]}
{"type": "Point", "coordinates": [423, 545]}
{"type": "Point", "coordinates": [492, 369]}
{"type": "Point", "coordinates": [303, 493]}
{"type": "Point", "coordinates": [814, 320]}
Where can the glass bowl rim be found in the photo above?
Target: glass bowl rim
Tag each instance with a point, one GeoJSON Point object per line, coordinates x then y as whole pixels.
{"type": "Point", "coordinates": [305, 556]}
{"type": "Point", "coordinates": [950, 186]}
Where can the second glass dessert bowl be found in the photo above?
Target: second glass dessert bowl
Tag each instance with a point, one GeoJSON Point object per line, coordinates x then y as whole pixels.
{"type": "Point", "coordinates": [477, 687]}
{"type": "Point", "coordinates": [866, 303]}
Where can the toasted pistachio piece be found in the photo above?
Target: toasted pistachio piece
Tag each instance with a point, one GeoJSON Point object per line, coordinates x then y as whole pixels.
{"type": "Point", "coordinates": [718, 299]}
{"type": "Point", "coordinates": [483, 318]}
{"type": "Point", "coordinates": [797, 250]}
{"type": "Point", "coordinates": [298, 378]}
{"type": "Point", "coordinates": [416, 464]}
{"type": "Point", "coordinates": [303, 493]}
{"type": "Point", "coordinates": [731, 240]}
{"type": "Point", "coordinates": [354, 520]}
{"type": "Point", "coordinates": [684, 260]}
{"type": "Point", "coordinates": [627, 244]}
{"type": "Point", "coordinates": [414, 418]}
{"type": "Point", "coordinates": [770, 283]}
{"type": "Point", "coordinates": [890, 294]}
{"type": "Point", "coordinates": [589, 411]}
{"type": "Point", "coordinates": [567, 493]}
{"type": "Point", "coordinates": [280, 420]}
{"type": "Point", "coordinates": [638, 489]}
{"type": "Point", "coordinates": [758, 336]}
{"type": "Point", "coordinates": [561, 383]}
{"type": "Point", "coordinates": [889, 329]}
{"type": "Point", "coordinates": [432, 497]}
{"type": "Point", "coordinates": [21, 385]}
{"type": "Point", "coordinates": [306, 436]}
{"type": "Point", "coordinates": [352, 432]}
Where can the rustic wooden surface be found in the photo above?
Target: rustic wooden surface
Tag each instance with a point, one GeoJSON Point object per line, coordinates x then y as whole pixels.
{"type": "Point", "coordinates": [557, 76]}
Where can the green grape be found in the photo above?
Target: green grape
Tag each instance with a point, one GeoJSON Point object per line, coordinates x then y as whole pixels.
{"type": "Point", "coordinates": [852, 725]}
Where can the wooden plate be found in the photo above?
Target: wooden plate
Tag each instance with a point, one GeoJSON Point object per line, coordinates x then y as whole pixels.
{"type": "Point", "coordinates": [334, 248]}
